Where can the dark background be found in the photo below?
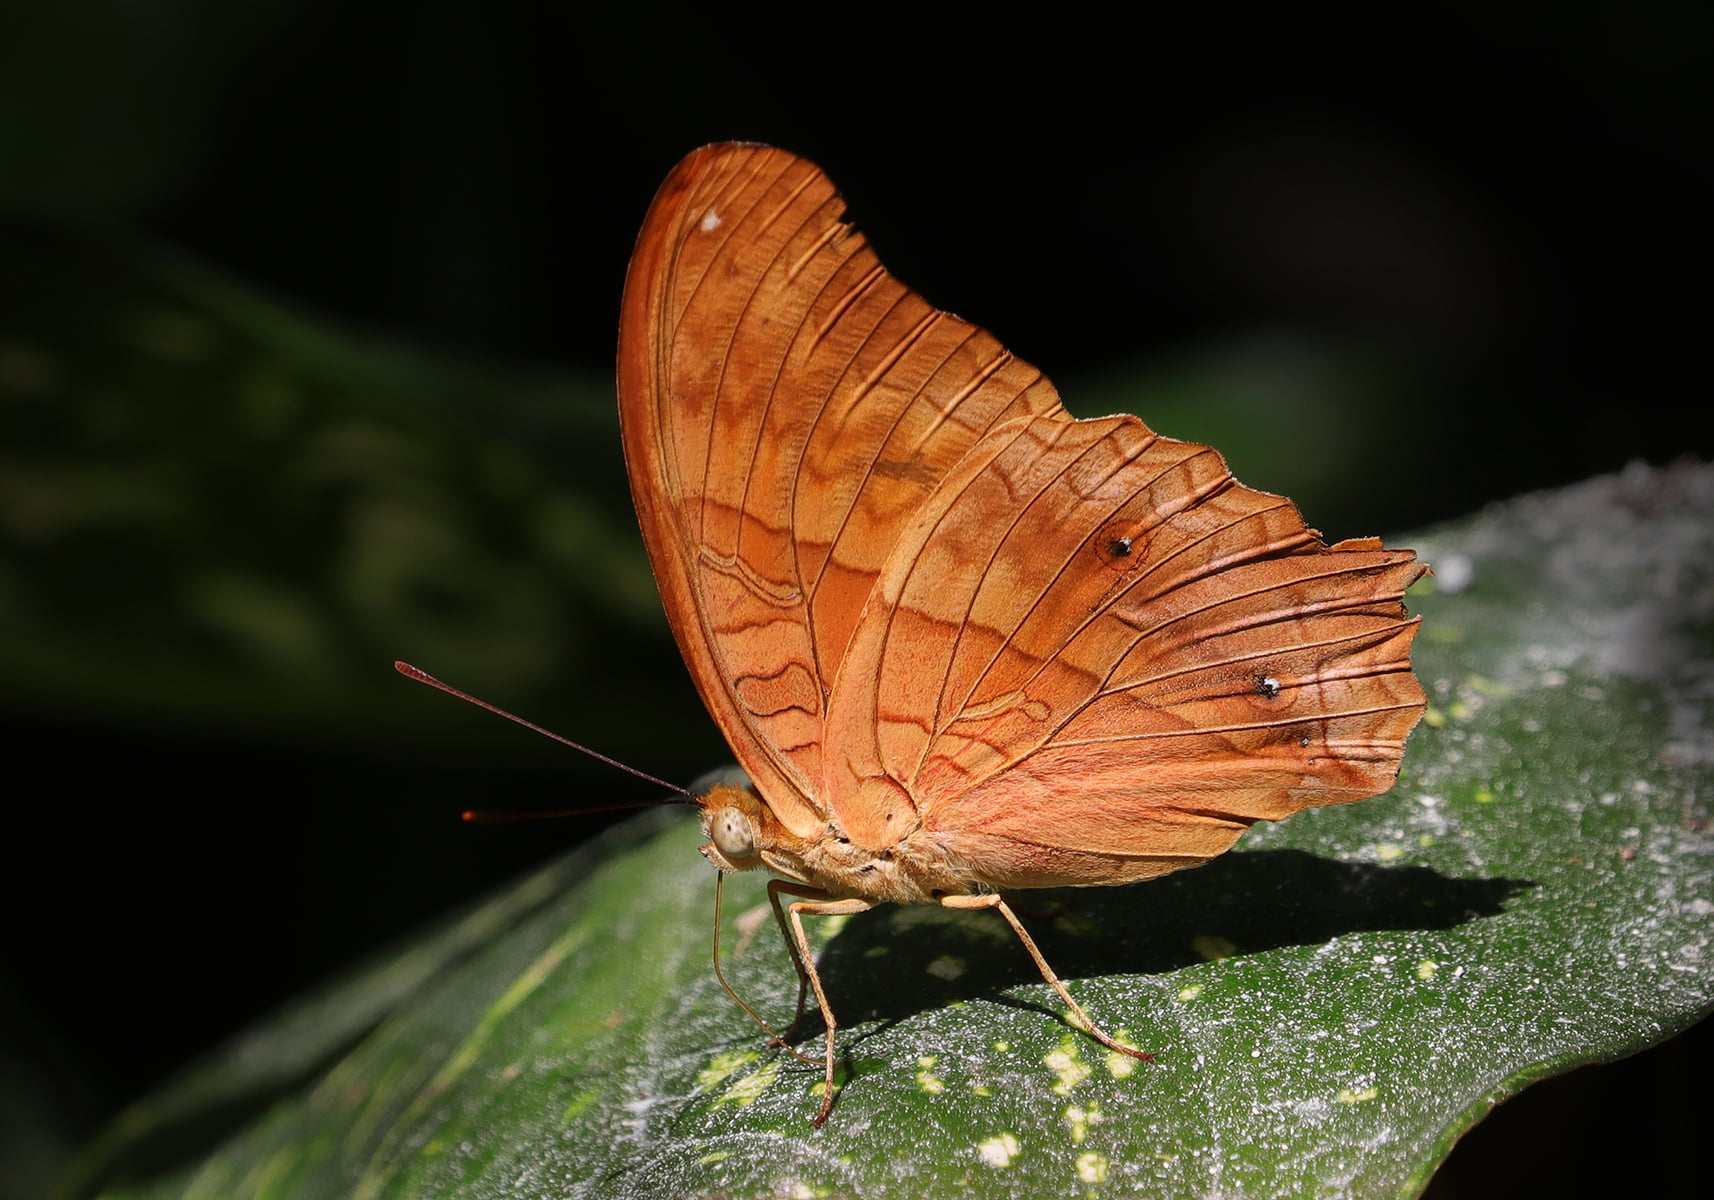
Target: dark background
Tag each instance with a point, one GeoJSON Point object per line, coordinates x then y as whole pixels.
{"type": "Point", "coordinates": [1419, 261]}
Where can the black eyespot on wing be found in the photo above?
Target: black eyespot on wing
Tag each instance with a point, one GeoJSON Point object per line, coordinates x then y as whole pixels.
{"type": "Point", "coordinates": [1120, 544]}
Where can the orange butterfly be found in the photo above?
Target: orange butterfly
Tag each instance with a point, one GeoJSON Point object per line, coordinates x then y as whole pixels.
{"type": "Point", "coordinates": [961, 642]}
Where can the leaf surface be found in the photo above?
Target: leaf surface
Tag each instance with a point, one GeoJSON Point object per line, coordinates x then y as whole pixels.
{"type": "Point", "coordinates": [1331, 1004]}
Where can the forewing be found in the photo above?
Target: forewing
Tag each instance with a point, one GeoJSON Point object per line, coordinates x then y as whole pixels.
{"type": "Point", "coordinates": [787, 408]}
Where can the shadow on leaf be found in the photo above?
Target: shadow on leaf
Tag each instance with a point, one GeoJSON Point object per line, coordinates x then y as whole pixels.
{"type": "Point", "coordinates": [897, 962]}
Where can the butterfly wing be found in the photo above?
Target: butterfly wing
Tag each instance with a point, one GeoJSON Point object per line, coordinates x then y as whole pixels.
{"type": "Point", "coordinates": [787, 407]}
{"type": "Point", "coordinates": [914, 592]}
{"type": "Point", "coordinates": [1095, 657]}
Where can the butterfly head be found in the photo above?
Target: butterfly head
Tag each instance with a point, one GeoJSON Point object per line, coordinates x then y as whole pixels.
{"type": "Point", "coordinates": [739, 827]}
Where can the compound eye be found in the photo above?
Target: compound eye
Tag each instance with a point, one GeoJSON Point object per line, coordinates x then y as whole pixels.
{"type": "Point", "coordinates": [733, 836]}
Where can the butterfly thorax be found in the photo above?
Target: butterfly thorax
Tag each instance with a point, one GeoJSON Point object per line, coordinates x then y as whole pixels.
{"type": "Point", "coordinates": [744, 834]}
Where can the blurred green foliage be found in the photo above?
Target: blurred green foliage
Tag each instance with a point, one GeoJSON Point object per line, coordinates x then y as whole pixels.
{"type": "Point", "coordinates": [219, 511]}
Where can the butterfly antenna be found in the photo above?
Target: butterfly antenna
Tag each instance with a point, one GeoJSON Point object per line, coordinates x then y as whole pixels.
{"type": "Point", "coordinates": [421, 676]}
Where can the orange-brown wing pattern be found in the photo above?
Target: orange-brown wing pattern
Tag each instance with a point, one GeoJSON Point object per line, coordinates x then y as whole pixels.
{"type": "Point", "coordinates": [787, 409]}
{"type": "Point", "coordinates": [1095, 656]}
{"type": "Point", "coordinates": [915, 592]}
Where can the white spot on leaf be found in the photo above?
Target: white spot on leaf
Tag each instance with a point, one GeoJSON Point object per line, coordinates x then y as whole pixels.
{"type": "Point", "coordinates": [999, 1151]}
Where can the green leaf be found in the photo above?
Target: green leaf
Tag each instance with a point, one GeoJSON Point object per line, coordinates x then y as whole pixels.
{"type": "Point", "coordinates": [1331, 1004]}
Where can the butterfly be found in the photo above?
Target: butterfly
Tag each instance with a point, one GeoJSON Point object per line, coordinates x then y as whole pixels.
{"type": "Point", "coordinates": [961, 643]}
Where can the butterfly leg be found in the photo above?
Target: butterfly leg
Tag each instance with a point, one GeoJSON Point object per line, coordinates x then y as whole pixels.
{"type": "Point", "coordinates": [816, 904]}
{"type": "Point", "coordinates": [777, 888]}
{"type": "Point", "coordinates": [995, 901]}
